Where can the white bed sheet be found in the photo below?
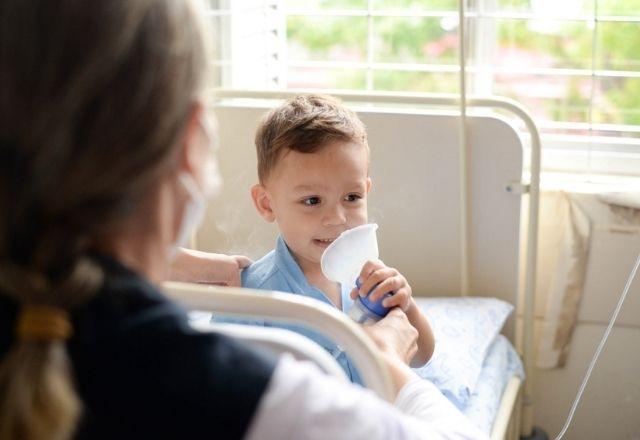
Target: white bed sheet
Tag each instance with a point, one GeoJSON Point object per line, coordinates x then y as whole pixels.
{"type": "Point", "coordinates": [502, 363]}
{"type": "Point", "coordinates": [464, 329]}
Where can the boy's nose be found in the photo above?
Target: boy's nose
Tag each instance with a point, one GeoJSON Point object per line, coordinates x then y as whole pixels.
{"type": "Point", "coordinates": [334, 216]}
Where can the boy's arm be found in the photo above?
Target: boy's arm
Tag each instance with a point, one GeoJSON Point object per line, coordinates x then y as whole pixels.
{"type": "Point", "coordinates": [426, 342]}
{"type": "Point", "coordinates": [377, 278]}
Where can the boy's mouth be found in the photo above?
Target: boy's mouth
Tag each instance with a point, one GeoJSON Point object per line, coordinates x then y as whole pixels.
{"type": "Point", "coordinates": [323, 242]}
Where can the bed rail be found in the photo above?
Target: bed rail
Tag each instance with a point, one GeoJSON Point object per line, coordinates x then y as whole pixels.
{"type": "Point", "coordinates": [293, 309]}
{"type": "Point", "coordinates": [505, 425]}
{"type": "Point", "coordinates": [278, 340]}
{"type": "Point", "coordinates": [526, 301]}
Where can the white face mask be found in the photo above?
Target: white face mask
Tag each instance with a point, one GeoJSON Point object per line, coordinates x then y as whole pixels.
{"type": "Point", "coordinates": [194, 211]}
{"type": "Point", "coordinates": [196, 206]}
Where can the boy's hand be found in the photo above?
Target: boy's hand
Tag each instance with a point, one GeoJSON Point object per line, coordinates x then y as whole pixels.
{"type": "Point", "coordinates": [387, 279]}
{"type": "Point", "coordinates": [204, 267]}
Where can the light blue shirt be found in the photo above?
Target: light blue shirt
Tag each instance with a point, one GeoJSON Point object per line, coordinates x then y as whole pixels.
{"type": "Point", "coordinates": [278, 270]}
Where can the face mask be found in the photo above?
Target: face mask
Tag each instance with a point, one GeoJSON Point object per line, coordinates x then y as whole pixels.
{"type": "Point", "coordinates": [193, 211]}
{"type": "Point", "coordinates": [196, 206]}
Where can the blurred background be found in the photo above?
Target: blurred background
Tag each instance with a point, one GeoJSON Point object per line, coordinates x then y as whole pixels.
{"type": "Point", "coordinates": [574, 64]}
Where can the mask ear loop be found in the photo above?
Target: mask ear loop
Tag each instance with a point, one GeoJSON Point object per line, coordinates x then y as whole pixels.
{"type": "Point", "coordinates": [603, 341]}
{"type": "Point", "coordinates": [211, 185]}
{"type": "Point", "coordinates": [212, 177]}
{"type": "Point", "coordinates": [194, 213]}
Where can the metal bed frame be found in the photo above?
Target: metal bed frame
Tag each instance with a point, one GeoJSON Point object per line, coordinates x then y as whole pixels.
{"type": "Point", "coordinates": [515, 416]}
{"type": "Point", "coordinates": [294, 309]}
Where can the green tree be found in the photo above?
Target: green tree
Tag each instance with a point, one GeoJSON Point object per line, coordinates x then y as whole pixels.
{"type": "Point", "coordinates": [562, 44]}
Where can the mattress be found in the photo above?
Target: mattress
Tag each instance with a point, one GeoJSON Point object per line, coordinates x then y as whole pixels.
{"type": "Point", "coordinates": [502, 363]}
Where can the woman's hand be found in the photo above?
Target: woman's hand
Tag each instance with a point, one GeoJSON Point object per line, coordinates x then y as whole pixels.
{"type": "Point", "coordinates": [204, 267]}
{"type": "Point", "coordinates": [385, 279]}
{"type": "Point", "coordinates": [397, 340]}
{"type": "Point", "coordinates": [395, 335]}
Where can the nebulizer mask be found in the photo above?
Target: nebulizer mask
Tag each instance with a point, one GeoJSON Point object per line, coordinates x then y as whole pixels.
{"type": "Point", "coordinates": [342, 262]}
{"type": "Point", "coordinates": [196, 206]}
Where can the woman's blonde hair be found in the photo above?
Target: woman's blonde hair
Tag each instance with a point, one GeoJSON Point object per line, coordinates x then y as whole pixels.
{"type": "Point", "coordinates": [93, 100]}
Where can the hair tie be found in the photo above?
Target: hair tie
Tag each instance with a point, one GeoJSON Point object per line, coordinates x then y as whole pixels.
{"type": "Point", "coordinates": [43, 323]}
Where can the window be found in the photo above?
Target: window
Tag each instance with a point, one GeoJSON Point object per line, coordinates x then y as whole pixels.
{"type": "Point", "coordinates": [573, 63]}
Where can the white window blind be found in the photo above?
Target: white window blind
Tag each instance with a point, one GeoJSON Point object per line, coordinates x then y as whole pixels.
{"type": "Point", "coordinates": [574, 64]}
{"type": "Point", "coordinates": [250, 43]}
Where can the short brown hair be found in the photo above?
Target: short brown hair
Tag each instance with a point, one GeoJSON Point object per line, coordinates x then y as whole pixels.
{"type": "Point", "coordinates": [305, 124]}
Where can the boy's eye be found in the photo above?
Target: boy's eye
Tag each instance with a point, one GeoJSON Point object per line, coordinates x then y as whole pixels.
{"type": "Point", "coordinates": [353, 197]}
{"type": "Point", "coordinates": [310, 201]}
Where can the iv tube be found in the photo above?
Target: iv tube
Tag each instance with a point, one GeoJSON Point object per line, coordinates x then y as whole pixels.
{"type": "Point", "coordinates": [587, 375]}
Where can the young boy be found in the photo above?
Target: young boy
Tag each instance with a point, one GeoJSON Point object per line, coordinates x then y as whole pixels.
{"type": "Point", "coordinates": [313, 169]}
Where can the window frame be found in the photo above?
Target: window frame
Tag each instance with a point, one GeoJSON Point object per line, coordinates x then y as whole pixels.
{"type": "Point", "coordinates": [585, 156]}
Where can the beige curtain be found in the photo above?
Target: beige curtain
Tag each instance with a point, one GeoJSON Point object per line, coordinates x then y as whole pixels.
{"type": "Point", "coordinates": [572, 228]}
{"type": "Point", "coordinates": [566, 230]}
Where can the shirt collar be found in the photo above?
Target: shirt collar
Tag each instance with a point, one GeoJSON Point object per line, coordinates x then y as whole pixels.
{"type": "Point", "coordinates": [291, 270]}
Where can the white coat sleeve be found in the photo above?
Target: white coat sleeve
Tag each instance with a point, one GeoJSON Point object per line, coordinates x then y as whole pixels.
{"type": "Point", "coordinates": [302, 403]}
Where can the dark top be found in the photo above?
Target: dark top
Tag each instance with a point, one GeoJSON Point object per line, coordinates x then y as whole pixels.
{"type": "Point", "coordinates": [143, 372]}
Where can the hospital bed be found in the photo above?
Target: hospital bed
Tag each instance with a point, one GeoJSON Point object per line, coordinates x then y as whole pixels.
{"type": "Point", "coordinates": [284, 307]}
{"type": "Point", "coordinates": [468, 211]}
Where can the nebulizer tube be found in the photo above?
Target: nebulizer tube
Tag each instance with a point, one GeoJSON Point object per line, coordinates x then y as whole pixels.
{"type": "Point", "coordinates": [596, 355]}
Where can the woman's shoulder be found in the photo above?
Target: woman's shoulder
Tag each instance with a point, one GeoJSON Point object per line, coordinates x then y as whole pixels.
{"type": "Point", "coordinates": [131, 310]}
{"type": "Point", "coordinates": [138, 360]}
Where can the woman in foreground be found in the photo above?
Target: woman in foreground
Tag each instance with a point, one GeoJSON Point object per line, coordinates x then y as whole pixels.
{"type": "Point", "coordinates": [105, 163]}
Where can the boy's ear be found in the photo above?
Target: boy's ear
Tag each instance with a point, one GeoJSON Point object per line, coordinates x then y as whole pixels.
{"type": "Point", "coordinates": [262, 202]}
{"type": "Point", "coordinates": [369, 183]}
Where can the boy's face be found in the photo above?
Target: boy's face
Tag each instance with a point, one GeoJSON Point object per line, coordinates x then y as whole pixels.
{"type": "Point", "coordinates": [315, 196]}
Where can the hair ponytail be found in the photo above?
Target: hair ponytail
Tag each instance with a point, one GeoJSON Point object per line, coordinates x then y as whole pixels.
{"type": "Point", "coordinates": [37, 396]}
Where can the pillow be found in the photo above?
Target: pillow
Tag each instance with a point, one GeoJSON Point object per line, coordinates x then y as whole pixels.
{"type": "Point", "coordinates": [463, 328]}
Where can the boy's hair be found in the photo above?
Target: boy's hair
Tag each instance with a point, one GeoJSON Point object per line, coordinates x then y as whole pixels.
{"type": "Point", "coordinates": [305, 124]}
